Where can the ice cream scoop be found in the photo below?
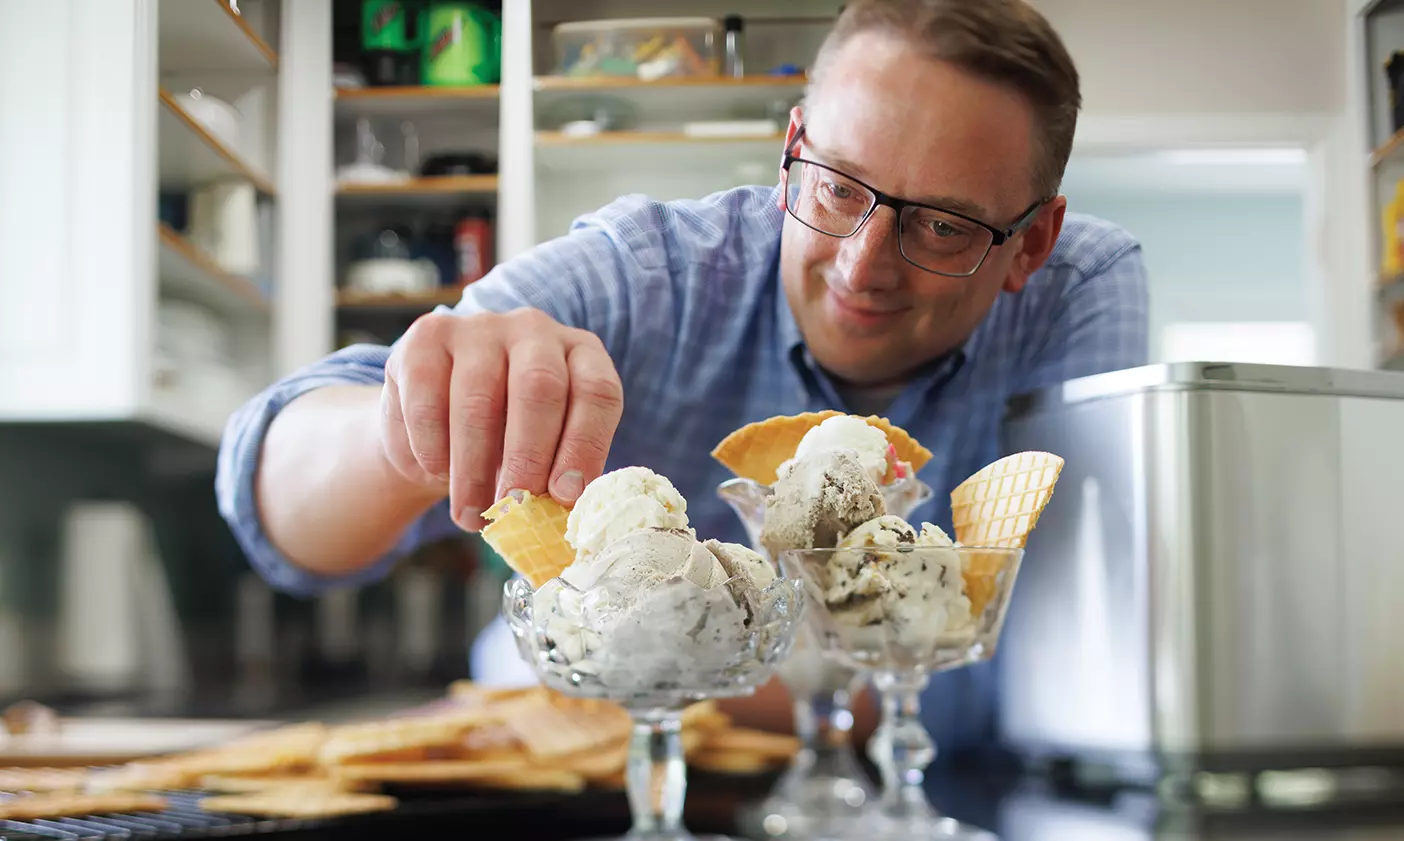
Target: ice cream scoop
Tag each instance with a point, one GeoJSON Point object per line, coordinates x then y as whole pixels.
{"type": "Point", "coordinates": [883, 530]}
{"type": "Point", "coordinates": [817, 499]}
{"type": "Point", "coordinates": [848, 432]}
{"type": "Point", "coordinates": [620, 502]}
{"type": "Point", "coordinates": [742, 561]}
{"type": "Point", "coordinates": [646, 557]}
{"type": "Point", "coordinates": [917, 592]}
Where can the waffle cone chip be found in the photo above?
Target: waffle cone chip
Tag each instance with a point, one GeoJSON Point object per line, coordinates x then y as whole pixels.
{"type": "Point", "coordinates": [999, 505]}
{"type": "Point", "coordinates": [529, 534]}
{"type": "Point", "coordinates": [756, 450]}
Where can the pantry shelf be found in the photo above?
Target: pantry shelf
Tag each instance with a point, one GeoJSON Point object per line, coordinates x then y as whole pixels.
{"type": "Point", "coordinates": [480, 100]}
{"type": "Point", "coordinates": [604, 83]}
{"type": "Point", "coordinates": [668, 101]}
{"type": "Point", "coordinates": [612, 152]}
{"type": "Point", "coordinates": [191, 156]}
{"type": "Point", "coordinates": [190, 273]}
{"type": "Point", "coordinates": [348, 300]}
{"type": "Point", "coordinates": [445, 191]}
{"type": "Point", "coordinates": [210, 36]}
{"type": "Point", "coordinates": [424, 186]}
{"type": "Point", "coordinates": [646, 138]}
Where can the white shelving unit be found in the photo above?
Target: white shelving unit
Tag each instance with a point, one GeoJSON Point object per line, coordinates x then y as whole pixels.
{"type": "Point", "coordinates": [83, 340]}
{"type": "Point", "coordinates": [652, 153]}
{"type": "Point", "coordinates": [1380, 25]}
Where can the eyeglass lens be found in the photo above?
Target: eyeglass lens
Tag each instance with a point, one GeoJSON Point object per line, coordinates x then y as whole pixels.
{"type": "Point", "coordinates": [832, 203]}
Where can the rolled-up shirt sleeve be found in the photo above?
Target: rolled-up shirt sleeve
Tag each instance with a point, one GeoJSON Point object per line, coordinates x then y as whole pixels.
{"type": "Point", "coordinates": [581, 280]}
{"type": "Point", "coordinates": [238, 466]}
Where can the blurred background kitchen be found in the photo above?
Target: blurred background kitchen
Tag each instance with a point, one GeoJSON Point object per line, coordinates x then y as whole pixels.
{"type": "Point", "coordinates": [197, 196]}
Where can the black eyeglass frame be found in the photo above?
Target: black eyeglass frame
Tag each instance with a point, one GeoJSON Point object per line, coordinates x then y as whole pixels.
{"type": "Point", "coordinates": [880, 199]}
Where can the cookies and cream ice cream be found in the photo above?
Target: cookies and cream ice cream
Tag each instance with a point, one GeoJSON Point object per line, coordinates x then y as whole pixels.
{"type": "Point", "coordinates": [644, 603]}
{"type": "Point", "coordinates": [818, 498]}
{"type": "Point", "coordinates": [830, 496]}
{"type": "Point", "coordinates": [910, 582]}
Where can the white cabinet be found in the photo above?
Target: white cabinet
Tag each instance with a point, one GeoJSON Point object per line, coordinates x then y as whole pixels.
{"type": "Point", "coordinates": [97, 120]}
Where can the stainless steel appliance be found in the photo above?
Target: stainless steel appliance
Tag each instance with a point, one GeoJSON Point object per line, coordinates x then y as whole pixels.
{"type": "Point", "coordinates": [1218, 583]}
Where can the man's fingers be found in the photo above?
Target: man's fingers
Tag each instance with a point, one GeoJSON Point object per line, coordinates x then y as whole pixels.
{"type": "Point", "coordinates": [538, 384]}
{"type": "Point", "coordinates": [477, 405]}
{"type": "Point", "coordinates": [592, 415]}
{"type": "Point", "coordinates": [422, 381]}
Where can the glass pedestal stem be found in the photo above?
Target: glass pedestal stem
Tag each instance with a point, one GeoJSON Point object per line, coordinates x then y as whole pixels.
{"type": "Point", "coordinates": [901, 748]}
{"type": "Point", "coordinates": [656, 776]}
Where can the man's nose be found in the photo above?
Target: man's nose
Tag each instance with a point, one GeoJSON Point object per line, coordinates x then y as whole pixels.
{"type": "Point", "coordinates": [866, 259]}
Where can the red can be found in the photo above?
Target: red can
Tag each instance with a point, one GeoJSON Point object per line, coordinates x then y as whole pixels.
{"type": "Point", "coordinates": [472, 241]}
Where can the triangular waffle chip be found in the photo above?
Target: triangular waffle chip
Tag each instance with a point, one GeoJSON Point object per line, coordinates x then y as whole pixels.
{"type": "Point", "coordinates": [28, 807]}
{"type": "Point", "coordinates": [756, 450]}
{"type": "Point", "coordinates": [557, 727]}
{"type": "Point", "coordinates": [999, 505]}
{"type": "Point", "coordinates": [529, 534]}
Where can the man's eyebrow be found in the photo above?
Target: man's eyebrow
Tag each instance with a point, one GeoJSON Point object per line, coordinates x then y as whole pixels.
{"type": "Point", "coordinates": [951, 203]}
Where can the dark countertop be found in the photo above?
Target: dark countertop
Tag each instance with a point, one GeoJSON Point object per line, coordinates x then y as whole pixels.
{"type": "Point", "coordinates": [1017, 809]}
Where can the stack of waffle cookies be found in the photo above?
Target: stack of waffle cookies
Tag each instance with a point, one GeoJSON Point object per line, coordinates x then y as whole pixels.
{"type": "Point", "coordinates": [528, 739]}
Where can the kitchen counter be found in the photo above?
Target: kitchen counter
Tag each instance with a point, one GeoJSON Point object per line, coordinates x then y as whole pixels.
{"type": "Point", "coordinates": [1017, 809]}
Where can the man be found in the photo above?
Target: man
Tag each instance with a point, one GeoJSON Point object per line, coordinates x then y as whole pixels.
{"type": "Point", "coordinates": [914, 261]}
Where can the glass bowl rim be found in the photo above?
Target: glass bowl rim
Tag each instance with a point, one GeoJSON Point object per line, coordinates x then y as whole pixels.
{"type": "Point", "coordinates": [904, 549]}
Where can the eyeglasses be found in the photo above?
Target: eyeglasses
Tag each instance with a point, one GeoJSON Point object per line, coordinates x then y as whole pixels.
{"type": "Point", "coordinates": [940, 241]}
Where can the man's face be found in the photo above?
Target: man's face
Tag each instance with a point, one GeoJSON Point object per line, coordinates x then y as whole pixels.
{"type": "Point", "coordinates": [927, 132]}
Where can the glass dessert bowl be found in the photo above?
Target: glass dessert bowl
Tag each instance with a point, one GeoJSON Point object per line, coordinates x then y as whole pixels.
{"type": "Point", "coordinates": [825, 791]}
{"type": "Point", "coordinates": [903, 613]}
{"type": "Point", "coordinates": [654, 650]}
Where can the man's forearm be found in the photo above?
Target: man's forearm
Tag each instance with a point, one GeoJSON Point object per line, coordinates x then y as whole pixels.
{"type": "Point", "coordinates": [327, 497]}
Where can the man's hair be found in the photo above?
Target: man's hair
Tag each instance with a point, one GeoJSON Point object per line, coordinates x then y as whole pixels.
{"type": "Point", "coordinates": [1005, 41]}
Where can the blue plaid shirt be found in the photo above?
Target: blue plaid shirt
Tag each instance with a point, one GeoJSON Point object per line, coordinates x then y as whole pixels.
{"type": "Point", "coordinates": [686, 298]}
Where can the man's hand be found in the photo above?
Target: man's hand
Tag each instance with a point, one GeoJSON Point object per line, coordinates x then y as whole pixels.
{"type": "Point", "coordinates": [482, 404]}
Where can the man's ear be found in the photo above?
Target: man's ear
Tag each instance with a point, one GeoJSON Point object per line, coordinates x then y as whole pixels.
{"type": "Point", "coordinates": [796, 120]}
{"type": "Point", "coordinates": [1036, 243]}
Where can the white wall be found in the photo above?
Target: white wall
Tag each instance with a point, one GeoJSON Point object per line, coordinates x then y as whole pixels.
{"type": "Point", "coordinates": [1214, 257]}
{"type": "Point", "coordinates": [1205, 56]}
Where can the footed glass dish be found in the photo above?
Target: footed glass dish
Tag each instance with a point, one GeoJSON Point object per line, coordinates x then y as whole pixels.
{"type": "Point", "coordinates": [655, 650]}
{"type": "Point", "coordinates": [902, 614]}
{"type": "Point", "coordinates": [825, 791]}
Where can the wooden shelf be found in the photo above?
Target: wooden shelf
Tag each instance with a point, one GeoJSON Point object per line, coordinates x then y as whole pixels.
{"type": "Point", "coordinates": [479, 100]}
{"type": "Point", "coordinates": [667, 101]}
{"type": "Point", "coordinates": [645, 151]}
{"type": "Point", "coordinates": [651, 138]}
{"type": "Point", "coordinates": [348, 300]}
{"type": "Point", "coordinates": [441, 192]}
{"type": "Point", "coordinates": [207, 35]}
{"type": "Point", "coordinates": [438, 185]}
{"type": "Point", "coordinates": [604, 83]}
{"type": "Point", "coordinates": [190, 156]}
{"type": "Point", "coordinates": [191, 273]}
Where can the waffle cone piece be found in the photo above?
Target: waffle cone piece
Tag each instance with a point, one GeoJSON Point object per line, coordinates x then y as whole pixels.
{"type": "Point", "coordinates": [756, 450]}
{"type": "Point", "coordinates": [997, 507]}
{"type": "Point", "coordinates": [529, 534]}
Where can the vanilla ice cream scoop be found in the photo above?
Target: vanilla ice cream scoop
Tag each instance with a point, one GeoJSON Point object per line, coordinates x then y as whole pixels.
{"type": "Point", "coordinates": [846, 432]}
{"type": "Point", "coordinates": [885, 530]}
{"type": "Point", "coordinates": [645, 558]}
{"type": "Point", "coordinates": [818, 498]}
{"type": "Point", "coordinates": [742, 562]}
{"type": "Point", "coordinates": [620, 502]}
{"type": "Point", "coordinates": [933, 535]}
